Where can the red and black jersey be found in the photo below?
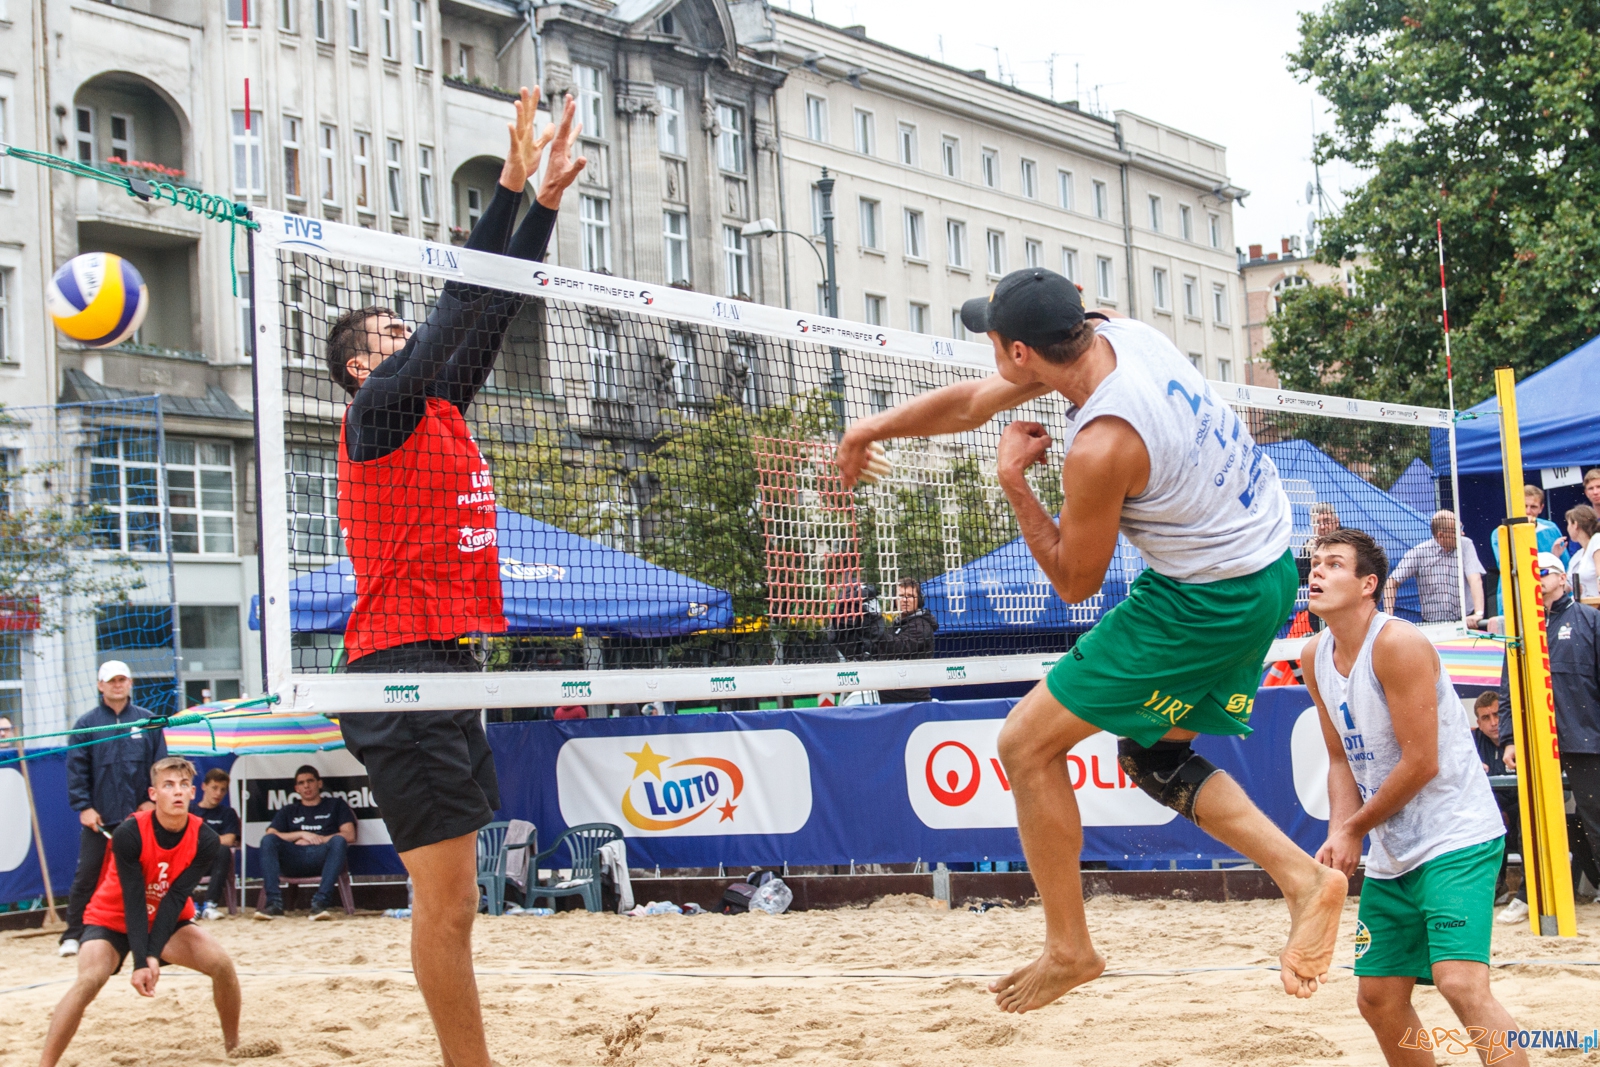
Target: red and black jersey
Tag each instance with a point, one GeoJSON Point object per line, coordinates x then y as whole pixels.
{"type": "Point", "coordinates": [419, 527]}
{"type": "Point", "coordinates": [161, 867]}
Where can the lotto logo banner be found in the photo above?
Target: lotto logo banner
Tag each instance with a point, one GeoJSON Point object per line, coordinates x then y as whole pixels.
{"type": "Point", "coordinates": [956, 782]}
{"type": "Point", "coordinates": [715, 784]}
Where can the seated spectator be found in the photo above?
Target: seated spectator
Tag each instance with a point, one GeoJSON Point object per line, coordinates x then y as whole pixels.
{"type": "Point", "coordinates": [571, 711]}
{"type": "Point", "coordinates": [214, 810]}
{"type": "Point", "coordinates": [307, 838]}
{"type": "Point", "coordinates": [909, 637]}
{"type": "Point", "coordinates": [1582, 525]}
{"type": "Point", "coordinates": [6, 729]}
{"type": "Point", "coordinates": [1486, 732]}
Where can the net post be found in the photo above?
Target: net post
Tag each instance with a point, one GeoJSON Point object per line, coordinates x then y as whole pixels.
{"type": "Point", "coordinates": [271, 501]}
{"type": "Point", "coordinates": [253, 349]}
{"type": "Point", "coordinates": [1539, 790]}
{"type": "Point", "coordinates": [172, 577]}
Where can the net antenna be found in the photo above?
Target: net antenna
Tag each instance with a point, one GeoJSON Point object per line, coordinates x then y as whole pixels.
{"type": "Point", "coordinates": [670, 525]}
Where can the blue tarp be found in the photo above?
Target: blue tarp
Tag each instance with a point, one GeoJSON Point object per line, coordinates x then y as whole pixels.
{"type": "Point", "coordinates": [552, 582]}
{"type": "Point", "coordinates": [1555, 413]}
{"type": "Point", "coordinates": [1006, 592]}
{"type": "Point", "coordinates": [1415, 488]}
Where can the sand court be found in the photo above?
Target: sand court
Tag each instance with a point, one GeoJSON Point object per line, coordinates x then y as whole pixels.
{"type": "Point", "coordinates": [901, 982]}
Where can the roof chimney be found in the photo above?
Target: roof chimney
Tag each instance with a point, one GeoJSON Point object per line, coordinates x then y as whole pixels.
{"type": "Point", "coordinates": [1255, 251]}
{"type": "Point", "coordinates": [1272, 257]}
{"type": "Point", "coordinates": [854, 31]}
{"type": "Point", "coordinates": [1285, 246]}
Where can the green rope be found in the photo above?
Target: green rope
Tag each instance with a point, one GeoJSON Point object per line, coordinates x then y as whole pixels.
{"type": "Point", "coordinates": [208, 205]}
{"type": "Point", "coordinates": [155, 722]}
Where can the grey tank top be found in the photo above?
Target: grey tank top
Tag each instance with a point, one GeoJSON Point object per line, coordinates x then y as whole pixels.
{"type": "Point", "coordinates": [1213, 508]}
{"type": "Point", "coordinates": [1455, 810]}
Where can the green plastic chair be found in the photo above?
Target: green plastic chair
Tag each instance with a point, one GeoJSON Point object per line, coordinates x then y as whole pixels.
{"type": "Point", "coordinates": [493, 853]}
{"type": "Point", "coordinates": [583, 844]}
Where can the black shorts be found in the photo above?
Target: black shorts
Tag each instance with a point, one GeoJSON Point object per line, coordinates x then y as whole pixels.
{"type": "Point", "coordinates": [119, 940]}
{"type": "Point", "coordinates": [431, 771]}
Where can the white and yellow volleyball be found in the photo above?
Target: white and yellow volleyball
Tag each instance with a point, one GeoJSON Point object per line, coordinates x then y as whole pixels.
{"type": "Point", "coordinates": [97, 298]}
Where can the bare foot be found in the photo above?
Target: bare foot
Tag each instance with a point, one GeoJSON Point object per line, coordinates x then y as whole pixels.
{"type": "Point", "coordinates": [1313, 932]}
{"type": "Point", "coordinates": [1044, 980]}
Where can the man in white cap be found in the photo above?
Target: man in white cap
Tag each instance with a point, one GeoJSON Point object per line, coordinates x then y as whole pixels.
{"type": "Point", "coordinates": [106, 782]}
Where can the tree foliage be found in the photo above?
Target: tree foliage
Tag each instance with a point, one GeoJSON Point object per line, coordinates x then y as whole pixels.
{"type": "Point", "coordinates": [1484, 114]}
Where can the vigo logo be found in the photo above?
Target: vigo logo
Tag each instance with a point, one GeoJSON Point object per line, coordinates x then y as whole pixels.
{"type": "Point", "coordinates": [402, 694]}
{"type": "Point", "coordinates": [519, 571]}
{"type": "Point", "coordinates": [476, 538]}
{"type": "Point", "coordinates": [688, 784]}
{"type": "Point", "coordinates": [955, 780]}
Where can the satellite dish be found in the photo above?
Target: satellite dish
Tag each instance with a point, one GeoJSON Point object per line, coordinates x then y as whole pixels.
{"type": "Point", "coordinates": [1311, 193]}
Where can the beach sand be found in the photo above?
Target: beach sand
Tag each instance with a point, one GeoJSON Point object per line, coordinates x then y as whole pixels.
{"type": "Point", "coordinates": [897, 983]}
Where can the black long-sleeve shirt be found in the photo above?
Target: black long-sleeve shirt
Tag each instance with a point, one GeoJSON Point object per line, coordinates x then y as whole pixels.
{"type": "Point", "coordinates": [113, 775]}
{"type": "Point", "coordinates": [1574, 639]}
{"type": "Point", "coordinates": [451, 354]}
{"type": "Point", "coordinates": [147, 936]}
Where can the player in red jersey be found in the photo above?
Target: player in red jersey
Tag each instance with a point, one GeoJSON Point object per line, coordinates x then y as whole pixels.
{"type": "Point", "coordinates": [417, 514]}
{"type": "Point", "coordinates": [142, 906]}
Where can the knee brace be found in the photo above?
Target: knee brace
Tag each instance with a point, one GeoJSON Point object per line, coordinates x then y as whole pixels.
{"type": "Point", "coordinates": [1170, 771]}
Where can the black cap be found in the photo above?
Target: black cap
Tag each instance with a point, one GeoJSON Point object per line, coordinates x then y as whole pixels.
{"type": "Point", "coordinates": [1035, 306]}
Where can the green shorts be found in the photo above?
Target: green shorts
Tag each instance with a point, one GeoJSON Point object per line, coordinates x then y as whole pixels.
{"type": "Point", "coordinates": [1443, 910]}
{"type": "Point", "coordinates": [1177, 654]}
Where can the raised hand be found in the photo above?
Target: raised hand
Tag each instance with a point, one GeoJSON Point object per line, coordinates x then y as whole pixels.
{"type": "Point", "coordinates": [522, 158]}
{"type": "Point", "coordinates": [562, 168]}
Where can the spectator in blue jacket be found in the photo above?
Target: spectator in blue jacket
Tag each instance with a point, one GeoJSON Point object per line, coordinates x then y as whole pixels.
{"type": "Point", "coordinates": [106, 782]}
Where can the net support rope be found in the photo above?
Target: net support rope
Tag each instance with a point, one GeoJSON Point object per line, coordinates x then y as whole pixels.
{"type": "Point", "coordinates": [191, 717]}
{"type": "Point", "coordinates": [207, 205]}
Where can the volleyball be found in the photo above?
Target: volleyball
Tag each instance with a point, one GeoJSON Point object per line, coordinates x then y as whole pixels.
{"type": "Point", "coordinates": [97, 298]}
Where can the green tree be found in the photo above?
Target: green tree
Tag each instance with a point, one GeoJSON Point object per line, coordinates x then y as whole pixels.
{"type": "Point", "coordinates": [546, 471]}
{"type": "Point", "coordinates": [1484, 114]}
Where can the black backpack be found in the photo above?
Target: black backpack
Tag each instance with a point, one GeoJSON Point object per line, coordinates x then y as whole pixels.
{"type": "Point", "coordinates": [736, 898]}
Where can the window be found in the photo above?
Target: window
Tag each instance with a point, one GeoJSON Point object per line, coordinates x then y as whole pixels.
{"type": "Point", "coordinates": [669, 124]}
{"type": "Point", "coordinates": [8, 353]}
{"type": "Point", "coordinates": [291, 159]}
{"type": "Point", "coordinates": [916, 235]}
{"type": "Point", "coordinates": [730, 141]}
{"type": "Point", "coordinates": [419, 33]}
{"type": "Point", "coordinates": [591, 100]}
{"type": "Point", "coordinates": [958, 329]}
{"type": "Point", "coordinates": [397, 193]}
{"type": "Point", "coordinates": [822, 300]}
{"type": "Point", "coordinates": [121, 138]}
{"type": "Point", "coordinates": [200, 495]}
{"type": "Point", "coordinates": [324, 26]}
{"type": "Point", "coordinates": [995, 244]}
{"type": "Point", "coordinates": [327, 145]}
{"type": "Point", "coordinates": [605, 371]}
{"type": "Point", "coordinates": [464, 64]}
{"type": "Point", "coordinates": [872, 311]}
{"type": "Point", "coordinates": [816, 211]}
{"type": "Point", "coordinates": [12, 648]}
{"type": "Point", "coordinates": [865, 135]}
{"type": "Point", "coordinates": [1191, 296]}
{"type": "Point", "coordinates": [991, 167]}
{"type": "Point", "coordinates": [917, 317]}
{"type": "Point", "coordinates": [236, 12]}
{"type": "Point", "coordinates": [425, 182]}
{"type": "Point", "coordinates": [736, 260]}
{"type": "Point", "coordinates": [816, 118]}
{"type": "Point", "coordinates": [84, 134]}
{"type": "Point", "coordinates": [1214, 228]}
{"type": "Point", "coordinates": [1102, 201]}
{"type": "Point", "coordinates": [1064, 189]}
{"type": "Point", "coordinates": [1105, 281]}
{"type": "Point", "coordinates": [295, 317]}
{"type": "Point", "coordinates": [247, 176]}
{"type": "Point", "coordinates": [1030, 179]}
{"type": "Point", "coordinates": [594, 220]}
{"type": "Point", "coordinates": [955, 239]}
{"type": "Point", "coordinates": [675, 245]}
{"type": "Point", "coordinates": [880, 394]}
{"type": "Point", "coordinates": [1032, 253]}
{"type": "Point", "coordinates": [363, 174]}
{"type": "Point", "coordinates": [1185, 222]}
{"type": "Point", "coordinates": [744, 362]}
{"type": "Point", "coordinates": [908, 144]}
{"type": "Point", "coordinates": [1198, 361]}
{"type": "Point", "coordinates": [1155, 213]}
{"type": "Point", "coordinates": [391, 44]}
{"type": "Point", "coordinates": [246, 334]}
{"type": "Point", "coordinates": [357, 41]}
{"type": "Point", "coordinates": [686, 384]}
{"type": "Point", "coordinates": [1224, 370]}
{"type": "Point", "coordinates": [870, 210]}
{"type": "Point", "coordinates": [1158, 284]}
{"type": "Point", "coordinates": [210, 645]}
{"type": "Point", "coordinates": [474, 206]}
{"type": "Point", "coordinates": [1219, 305]}
{"type": "Point", "coordinates": [5, 123]}
{"type": "Point", "coordinates": [950, 157]}
{"type": "Point", "coordinates": [1069, 264]}
{"type": "Point", "coordinates": [286, 19]}
{"type": "Point", "coordinates": [125, 492]}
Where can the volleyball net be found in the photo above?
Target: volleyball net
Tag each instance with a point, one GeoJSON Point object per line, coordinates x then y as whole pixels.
{"type": "Point", "coordinates": [665, 521]}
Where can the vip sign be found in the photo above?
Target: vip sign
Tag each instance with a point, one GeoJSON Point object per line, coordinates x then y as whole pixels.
{"type": "Point", "coordinates": [956, 782]}
{"type": "Point", "coordinates": [687, 785]}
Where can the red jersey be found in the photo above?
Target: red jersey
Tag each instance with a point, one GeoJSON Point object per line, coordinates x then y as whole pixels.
{"type": "Point", "coordinates": [419, 525]}
{"type": "Point", "coordinates": [161, 868]}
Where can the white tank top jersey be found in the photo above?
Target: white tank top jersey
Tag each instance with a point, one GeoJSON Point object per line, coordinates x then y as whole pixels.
{"type": "Point", "coordinates": [1213, 508]}
{"type": "Point", "coordinates": [1455, 810]}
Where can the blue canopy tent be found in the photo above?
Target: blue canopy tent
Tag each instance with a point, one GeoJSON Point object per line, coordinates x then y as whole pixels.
{"type": "Point", "coordinates": [552, 582]}
{"type": "Point", "coordinates": [1004, 591]}
{"type": "Point", "coordinates": [1415, 488]}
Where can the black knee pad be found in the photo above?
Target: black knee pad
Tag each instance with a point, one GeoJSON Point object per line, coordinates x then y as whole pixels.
{"type": "Point", "coordinates": [1170, 771]}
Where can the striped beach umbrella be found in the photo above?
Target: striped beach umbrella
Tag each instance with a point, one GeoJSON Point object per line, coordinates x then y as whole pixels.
{"type": "Point", "coordinates": [1472, 661]}
{"type": "Point", "coordinates": [253, 735]}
